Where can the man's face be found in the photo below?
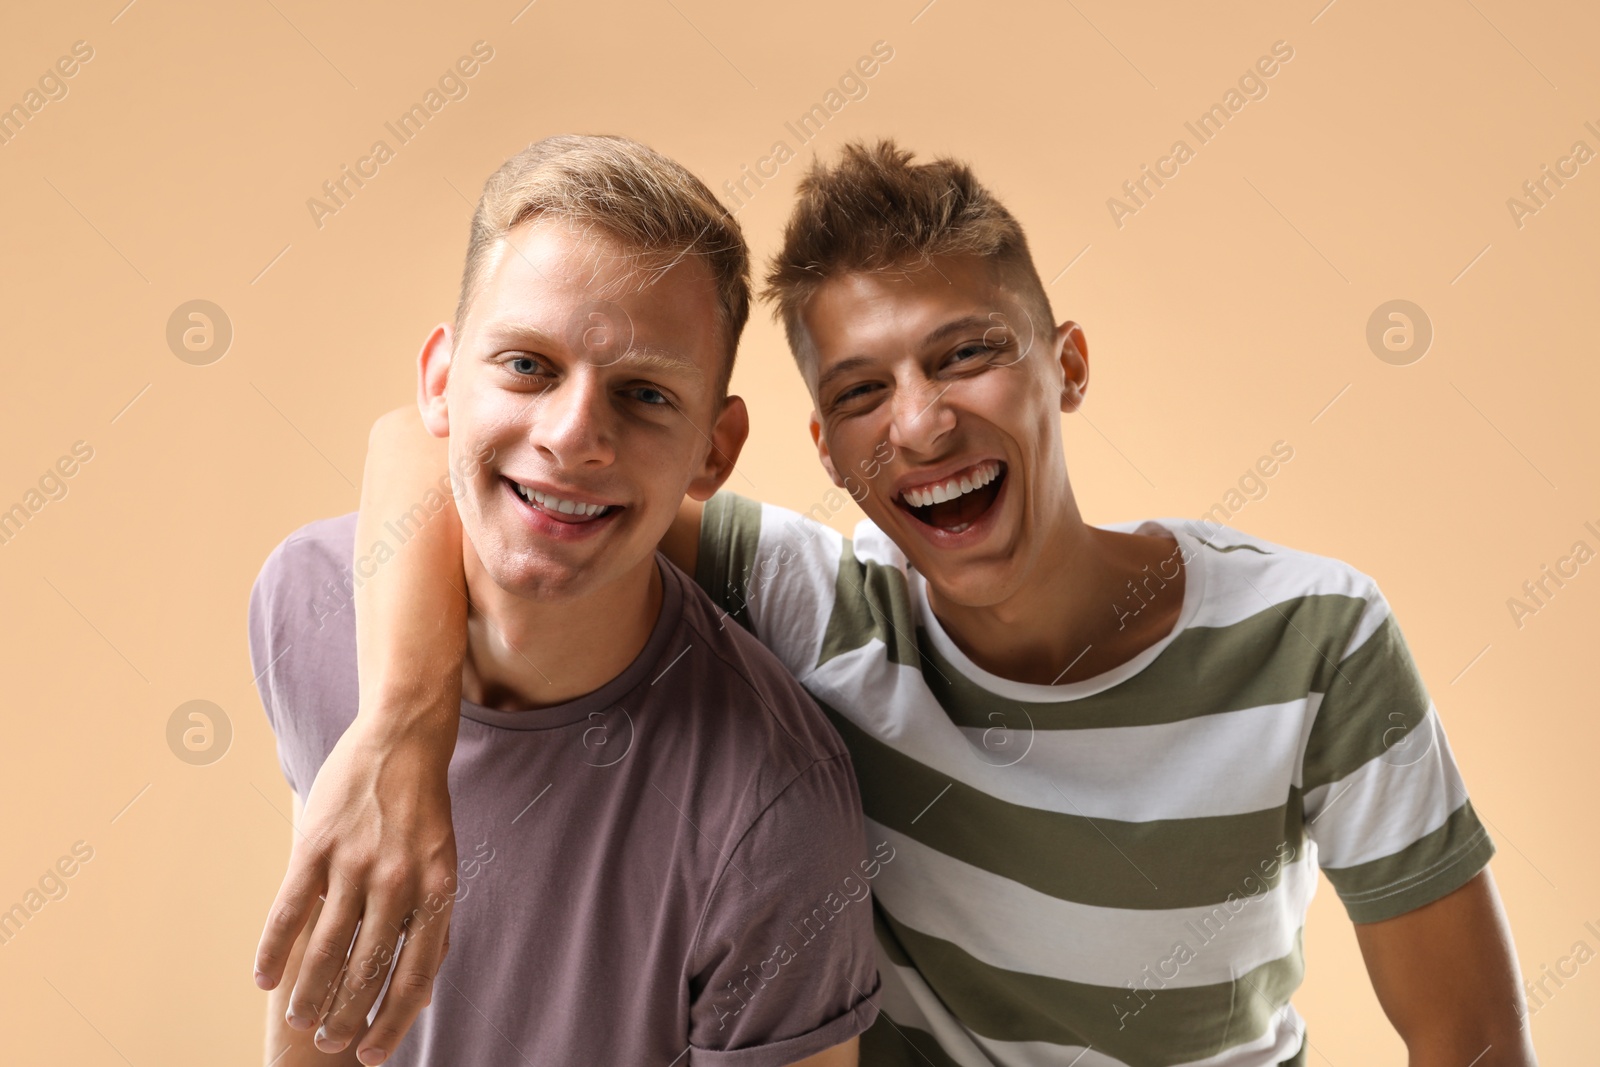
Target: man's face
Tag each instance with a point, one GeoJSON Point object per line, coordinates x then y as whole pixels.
{"type": "Point", "coordinates": [938, 400]}
{"type": "Point", "coordinates": [592, 387]}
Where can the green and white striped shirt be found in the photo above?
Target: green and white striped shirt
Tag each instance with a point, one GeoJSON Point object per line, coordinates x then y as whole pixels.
{"type": "Point", "coordinates": [1117, 870]}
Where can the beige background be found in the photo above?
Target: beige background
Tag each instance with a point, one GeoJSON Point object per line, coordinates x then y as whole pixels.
{"type": "Point", "coordinates": [1228, 313]}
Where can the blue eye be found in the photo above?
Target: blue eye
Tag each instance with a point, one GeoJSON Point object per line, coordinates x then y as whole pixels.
{"type": "Point", "coordinates": [650, 396]}
{"type": "Point", "coordinates": [524, 365]}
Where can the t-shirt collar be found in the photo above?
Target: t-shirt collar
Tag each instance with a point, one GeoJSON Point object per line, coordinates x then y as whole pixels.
{"type": "Point", "coordinates": [636, 673]}
{"type": "Point", "coordinates": [1193, 593]}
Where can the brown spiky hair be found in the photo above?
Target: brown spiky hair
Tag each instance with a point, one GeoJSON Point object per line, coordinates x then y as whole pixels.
{"type": "Point", "coordinates": [873, 209]}
{"type": "Point", "coordinates": [648, 203]}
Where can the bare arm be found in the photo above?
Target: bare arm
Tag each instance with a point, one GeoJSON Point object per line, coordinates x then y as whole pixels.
{"type": "Point", "coordinates": [1446, 975]}
{"type": "Point", "coordinates": [682, 543]}
{"type": "Point", "coordinates": [377, 838]}
{"type": "Point", "coordinates": [846, 1054]}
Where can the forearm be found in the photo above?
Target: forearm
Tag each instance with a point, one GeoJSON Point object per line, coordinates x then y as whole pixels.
{"type": "Point", "coordinates": [411, 610]}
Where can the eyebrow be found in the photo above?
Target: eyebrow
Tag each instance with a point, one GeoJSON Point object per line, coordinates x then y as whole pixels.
{"type": "Point", "coordinates": [956, 326]}
{"type": "Point", "coordinates": [644, 356]}
{"type": "Point", "coordinates": [840, 369]}
{"type": "Point", "coordinates": [938, 334]}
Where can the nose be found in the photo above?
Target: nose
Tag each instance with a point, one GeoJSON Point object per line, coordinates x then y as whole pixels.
{"type": "Point", "coordinates": [919, 417]}
{"type": "Point", "coordinates": [571, 422]}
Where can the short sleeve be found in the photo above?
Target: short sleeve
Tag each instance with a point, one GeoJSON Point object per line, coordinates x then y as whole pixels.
{"type": "Point", "coordinates": [302, 646]}
{"type": "Point", "coordinates": [1384, 800]}
{"type": "Point", "coordinates": [784, 964]}
{"type": "Point", "coordinates": [773, 571]}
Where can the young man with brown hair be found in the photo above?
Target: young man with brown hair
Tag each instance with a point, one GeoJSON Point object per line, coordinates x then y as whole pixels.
{"type": "Point", "coordinates": [1110, 760]}
{"type": "Point", "coordinates": [667, 856]}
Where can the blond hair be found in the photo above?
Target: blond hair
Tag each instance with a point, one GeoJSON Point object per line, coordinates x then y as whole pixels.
{"type": "Point", "coordinates": [651, 205]}
{"type": "Point", "coordinates": [873, 209]}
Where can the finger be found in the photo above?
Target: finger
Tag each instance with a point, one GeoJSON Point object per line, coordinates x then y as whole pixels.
{"type": "Point", "coordinates": [324, 958]}
{"type": "Point", "coordinates": [377, 944]}
{"type": "Point", "coordinates": [411, 988]}
{"type": "Point", "coordinates": [298, 898]}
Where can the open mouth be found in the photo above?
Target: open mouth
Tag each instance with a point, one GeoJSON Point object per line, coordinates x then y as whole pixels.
{"type": "Point", "coordinates": [559, 509]}
{"type": "Point", "coordinates": [956, 502]}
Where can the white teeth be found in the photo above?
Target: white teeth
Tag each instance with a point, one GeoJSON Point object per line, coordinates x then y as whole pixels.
{"type": "Point", "coordinates": [951, 488]}
{"type": "Point", "coordinates": [546, 502]}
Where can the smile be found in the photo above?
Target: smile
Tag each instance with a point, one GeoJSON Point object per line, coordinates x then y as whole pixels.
{"type": "Point", "coordinates": [954, 503]}
{"type": "Point", "coordinates": [559, 508]}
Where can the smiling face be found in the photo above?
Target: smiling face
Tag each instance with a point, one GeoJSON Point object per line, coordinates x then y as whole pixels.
{"type": "Point", "coordinates": [593, 388]}
{"type": "Point", "coordinates": [938, 400]}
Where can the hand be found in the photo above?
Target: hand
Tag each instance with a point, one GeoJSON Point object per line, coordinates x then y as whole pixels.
{"type": "Point", "coordinates": [375, 842]}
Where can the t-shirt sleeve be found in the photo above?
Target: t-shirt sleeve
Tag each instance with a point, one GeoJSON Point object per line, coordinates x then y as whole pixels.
{"type": "Point", "coordinates": [1384, 801]}
{"type": "Point", "coordinates": [773, 571]}
{"type": "Point", "coordinates": [784, 965]}
{"type": "Point", "coordinates": [302, 644]}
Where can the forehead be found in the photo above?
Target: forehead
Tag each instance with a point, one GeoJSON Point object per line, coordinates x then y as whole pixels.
{"type": "Point", "coordinates": [556, 277]}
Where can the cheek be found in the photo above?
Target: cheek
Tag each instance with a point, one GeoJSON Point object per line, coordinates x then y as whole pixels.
{"type": "Point", "coordinates": [1016, 399]}
{"type": "Point", "coordinates": [663, 453]}
{"type": "Point", "coordinates": [491, 415]}
{"type": "Point", "coordinates": [852, 444]}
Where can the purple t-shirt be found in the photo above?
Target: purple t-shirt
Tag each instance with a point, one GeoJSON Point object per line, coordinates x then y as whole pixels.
{"type": "Point", "coordinates": [671, 869]}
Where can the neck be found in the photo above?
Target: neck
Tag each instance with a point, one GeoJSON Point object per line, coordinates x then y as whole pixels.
{"type": "Point", "coordinates": [525, 654]}
{"type": "Point", "coordinates": [1090, 600]}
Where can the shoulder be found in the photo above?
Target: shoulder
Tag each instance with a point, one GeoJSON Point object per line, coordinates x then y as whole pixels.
{"type": "Point", "coordinates": [781, 574]}
{"type": "Point", "coordinates": [302, 642]}
{"type": "Point", "coordinates": [759, 705]}
{"type": "Point", "coordinates": [1246, 575]}
{"type": "Point", "coordinates": [307, 559]}
{"type": "Point", "coordinates": [1238, 556]}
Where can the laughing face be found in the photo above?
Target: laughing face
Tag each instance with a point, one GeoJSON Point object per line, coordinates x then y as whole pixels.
{"type": "Point", "coordinates": [593, 387]}
{"type": "Point", "coordinates": [943, 370]}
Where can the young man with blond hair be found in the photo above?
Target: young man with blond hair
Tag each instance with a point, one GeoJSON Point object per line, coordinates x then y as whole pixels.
{"type": "Point", "coordinates": [667, 863]}
{"type": "Point", "coordinates": [1110, 760]}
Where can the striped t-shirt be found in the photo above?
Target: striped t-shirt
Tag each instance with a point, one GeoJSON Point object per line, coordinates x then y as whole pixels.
{"type": "Point", "coordinates": [1115, 870]}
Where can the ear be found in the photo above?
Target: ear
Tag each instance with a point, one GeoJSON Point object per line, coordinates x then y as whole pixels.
{"type": "Point", "coordinates": [433, 375]}
{"type": "Point", "coordinates": [822, 450]}
{"type": "Point", "coordinates": [1074, 357]}
{"type": "Point", "coordinates": [727, 441]}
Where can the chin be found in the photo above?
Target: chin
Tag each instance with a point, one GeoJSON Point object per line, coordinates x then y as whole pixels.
{"type": "Point", "coordinates": [543, 580]}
